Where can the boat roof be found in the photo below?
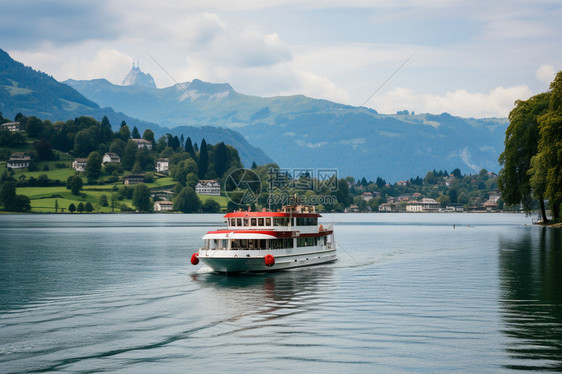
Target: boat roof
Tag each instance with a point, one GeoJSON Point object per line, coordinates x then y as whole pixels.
{"type": "Point", "coordinates": [298, 210]}
{"type": "Point", "coordinates": [269, 214]}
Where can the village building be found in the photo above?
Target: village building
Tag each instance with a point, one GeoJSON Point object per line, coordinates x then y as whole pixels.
{"type": "Point", "coordinates": [366, 196]}
{"type": "Point", "coordinates": [425, 205]}
{"type": "Point", "coordinates": [163, 206]}
{"type": "Point", "coordinates": [18, 160]}
{"type": "Point", "coordinates": [386, 207]}
{"type": "Point", "coordinates": [162, 194]}
{"type": "Point", "coordinates": [143, 143]}
{"type": "Point", "coordinates": [162, 165]}
{"type": "Point", "coordinates": [12, 126]}
{"type": "Point", "coordinates": [352, 209]}
{"type": "Point", "coordinates": [79, 164]}
{"type": "Point", "coordinates": [111, 158]}
{"type": "Point", "coordinates": [131, 180]}
{"type": "Point", "coordinates": [208, 187]}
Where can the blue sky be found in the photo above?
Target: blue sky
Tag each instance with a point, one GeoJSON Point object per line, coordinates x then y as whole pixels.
{"type": "Point", "coordinates": [470, 58]}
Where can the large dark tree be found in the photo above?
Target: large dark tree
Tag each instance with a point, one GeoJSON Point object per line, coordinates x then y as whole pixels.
{"type": "Point", "coordinates": [203, 164]}
{"type": "Point", "coordinates": [187, 201]}
{"type": "Point", "coordinates": [76, 185]}
{"type": "Point", "coordinates": [148, 134]}
{"type": "Point", "coordinates": [141, 198]}
{"type": "Point", "coordinates": [11, 201]}
{"type": "Point", "coordinates": [135, 134]}
{"type": "Point", "coordinates": [84, 143]}
{"type": "Point", "coordinates": [124, 132]}
{"type": "Point", "coordinates": [549, 160]}
{"type": "Point", "coordinates": [221, 159]}
{"type": "Point", "coordinates": [43, 148]}
{"type": "Point", "coordinates": [105, 131]}
{"type": "Point", "coordinates": [521, 144]}
{"type": "Point", "coordinates": [34, 127]}
{"type": "Point", "coordinates": [189, 147]}
{"type": "Point", "coordinates": [129, 155]}
{"type": "Point", "coordinates": [8, 195]}
{"type": "Point", "coordinates": [93, 166]}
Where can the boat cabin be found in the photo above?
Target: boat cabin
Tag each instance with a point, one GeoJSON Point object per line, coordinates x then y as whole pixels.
{"type": "Point", "coordinates": [291, 227]}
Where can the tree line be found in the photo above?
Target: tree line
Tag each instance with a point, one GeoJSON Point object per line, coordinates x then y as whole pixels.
{"type": "Point", "coordinates": [532, 159]}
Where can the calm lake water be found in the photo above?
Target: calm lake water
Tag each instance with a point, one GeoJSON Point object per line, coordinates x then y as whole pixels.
{"type": "Point", "coordinates": [409, 293]}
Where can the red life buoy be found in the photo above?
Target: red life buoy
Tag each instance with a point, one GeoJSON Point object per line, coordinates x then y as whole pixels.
{"type": "Point", "coordinates": [269, 260]}
{"type": "Point", "coordinates": [194, 259]}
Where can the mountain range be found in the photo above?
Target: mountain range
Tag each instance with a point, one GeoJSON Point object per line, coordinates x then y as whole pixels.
{"type": "Point", "coordinates": [33, 93]}
{"type": "Point", "coordinates": [299, 132]}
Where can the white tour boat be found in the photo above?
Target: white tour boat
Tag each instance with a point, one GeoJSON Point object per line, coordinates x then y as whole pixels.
{"type": "Point", "coordinates": [264, 241]}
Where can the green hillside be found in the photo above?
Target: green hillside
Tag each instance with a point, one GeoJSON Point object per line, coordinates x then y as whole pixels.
{"type": "Point", "coordinates": [51, 184]}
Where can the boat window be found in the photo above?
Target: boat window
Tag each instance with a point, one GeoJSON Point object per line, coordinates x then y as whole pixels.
{"type": "Point", "coordinates": [260, 221]}
{"type": "Point", "coordinates": [281, 221]}
{"type": "Point", "coordinates": [245, 221]}
{"type": "Point", "coordinates": [238, 221]}
{"type": "Point", "coordinates": [307, 242]}
{"type": "Point", "coordinates": [253, 222]}
{"type": "Point", "coordinates": [307, 221]}
{"type": "Point", "coordinates": [280, 243]}
{"type": "Point", "coordinates": [268, 221]}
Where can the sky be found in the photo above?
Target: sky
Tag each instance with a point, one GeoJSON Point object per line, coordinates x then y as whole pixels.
{"type": "Point", "coordinates": [467, 58]}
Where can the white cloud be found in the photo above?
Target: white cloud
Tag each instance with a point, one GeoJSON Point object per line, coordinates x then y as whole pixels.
{"type": "Point", "coordinates": [107, 63]}
{"type": "Point", "coordinates": [497, 103]}
{"type": "Point", "coordinates": [331, 49]}
{"type": "Point", "coordinates": [546, 73]}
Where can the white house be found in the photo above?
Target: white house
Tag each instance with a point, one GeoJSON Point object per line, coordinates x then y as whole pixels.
{"type": "Point", "coordinates": [163, 206]}
{"type": "Point", "coordinates": [130, 180]}
{"type": "Point", "coordinates": [111, 158]}
{"type": "Point", "coordinates": [162, 165]}
{"type": "Point", "coordinates": [12, 126]}
{"type": "Point", "coordinates": [386, 207]}
{"type": "Point", "coordinates": [143, 143]}
{"type": "Point", "coordinates": [18, 160]}
{"type": "Point", "coordinates": [208, 187]}
{"type": "Point", "coordinates": [425, 205]}
{"type": "Point", "coordinates": [79, 164]}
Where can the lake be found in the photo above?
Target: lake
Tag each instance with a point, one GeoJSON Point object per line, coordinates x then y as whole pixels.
{"type": "Point", "coordinates": [410, 293]}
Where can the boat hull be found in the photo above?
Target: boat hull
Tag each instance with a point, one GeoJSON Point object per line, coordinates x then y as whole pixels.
{"type": "Point", "coordinates": [254, 261]}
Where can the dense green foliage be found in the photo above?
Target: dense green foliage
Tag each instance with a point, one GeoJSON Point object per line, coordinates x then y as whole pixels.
{"type": "Point", "coordinates": [84, 136]}
{"type": "Point", "coordinates": [532, 160]}
{"type": "Point", "coordinates": [187, 201]}
{"type": "Point", "coordinates": [141, 198]}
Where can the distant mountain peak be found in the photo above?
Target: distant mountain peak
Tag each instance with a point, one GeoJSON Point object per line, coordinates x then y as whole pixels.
{"type": "Point", "coordinates": [137, 78]}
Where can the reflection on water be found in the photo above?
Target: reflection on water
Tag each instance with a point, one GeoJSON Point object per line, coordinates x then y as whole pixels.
{"type": "Point", "coordinates": [268, 292]}
{"type": "Point", "coordinates": [531, 282]}
{"type": "Point", "coordinates": [409, 293]}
